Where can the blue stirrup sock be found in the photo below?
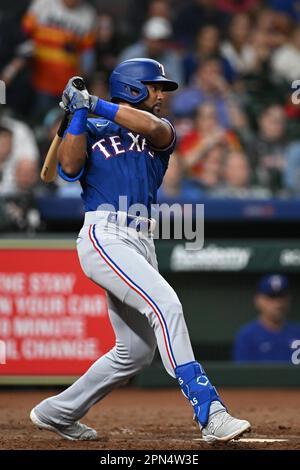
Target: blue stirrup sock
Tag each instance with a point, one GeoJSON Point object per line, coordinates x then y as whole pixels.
{"type": "Point", "coordinates": [197, 388]}
{"type": "Point", "coordinates": [106, 109]}
{"type": "Point", "coordinates": [78, 123]}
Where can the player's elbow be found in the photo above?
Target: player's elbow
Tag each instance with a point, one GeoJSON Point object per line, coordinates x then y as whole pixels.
{"type": "Point", "coordinates": [69, 167]}
{"type": "Point", "coordinates": [159, 134]}
{"type": "Point", "coordinates": [155, 128]}
{"type": "Point", "coordinates": [71, 170]}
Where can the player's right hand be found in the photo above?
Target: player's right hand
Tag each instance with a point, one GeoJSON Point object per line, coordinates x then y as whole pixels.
{"type": "Point", "coordinates": [74, 99]}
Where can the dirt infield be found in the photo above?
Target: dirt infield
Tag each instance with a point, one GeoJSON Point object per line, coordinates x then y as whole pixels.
{"type": "Point", "coordinates": [155, 419]}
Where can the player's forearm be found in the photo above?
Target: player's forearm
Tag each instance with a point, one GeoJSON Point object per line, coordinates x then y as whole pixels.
{"type": "Point", "coordinates": [154, 129]}
{"type": "Point", "coordinates": [72, 150]}
{"type": "Point", "coordinates": [72, 153]}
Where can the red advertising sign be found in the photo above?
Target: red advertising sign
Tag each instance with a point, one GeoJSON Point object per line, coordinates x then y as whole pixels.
{"type": "Point", "coordinates": [53, 319]}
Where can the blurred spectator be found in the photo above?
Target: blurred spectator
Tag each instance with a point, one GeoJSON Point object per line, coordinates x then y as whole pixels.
{"type": "Point", "coordinates": [154, 44]}
{"type": "Point", "coordinates": [63, 33]}
{"type": "Point", "coordinates": [268, 338]}
{"type": "Point", "coordinates": [207, 134]}
{"type": "Point", "coordinates": [275, 26]}
{"type": "Point", "coordinates": [18, 178]}
{"type": "Point", "coordinates": [6, 140]}
{"type": "Point", "coordinates": [15, 51]}
{"type": "Point", "coordinates": [207, 46]}
{"type": "Point", "coordinates": [138, 11]}
{"type": "Point", "coordinates": [286, 59]}
{"type": "Point", "coordinates": [26, 175]}
{"type": "Point", "coordinates": [211, 173]}
{"type": "Point", "coordinates": [195, 15]}
{"type": "Point", "coordinates": [282, 26]}
{"type": "Point", "coordinates": [236, 179]}
{"type": "Point", "coordinates": [263, 49]}
{"type": "Point", "coordinates": [268, 149]}
{"type": "Point", "coordinates": [262, 87]}
{"type": "Point", "coordinates": [236, 174]}
{"type": "Point", "coordinates": [237, 48]}
{"type": "Point", "coordinates": [175, 187]}
{"type": "Point", "coordinates": [18, 143]}
{"type": "Point", "coordinates": [289, 7]}
{"type": "Point", "coordinates": [291, 177]}
{"type": "Point", "coordinates": [160, 8]}
{"type": "Point", "coordinates": [21, 207]}
{"type": "Point", "coordinates": [240, 6]}
{"type": "Point", "coordinates": [208, 85]}
{"type": "Point", "coordinates": [108, 44]}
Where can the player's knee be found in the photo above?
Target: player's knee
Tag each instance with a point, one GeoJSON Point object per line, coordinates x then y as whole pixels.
{"type": "Point", "coordinates": [146, 359]}
{"type": "Point", "coordinates": [120, 354]}
{"type": "Point", "coordinates": [138, 357]}
{"type": "Point", "coordinates": [168, 301]}
{"type": "Point", "coordinates": [170, 308]}
{"type": "Point", "coordinates": [143, 356]}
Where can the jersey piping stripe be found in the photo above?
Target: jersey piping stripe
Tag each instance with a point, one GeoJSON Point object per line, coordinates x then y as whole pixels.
{"type": "Point", "coordinates": [137, 289]}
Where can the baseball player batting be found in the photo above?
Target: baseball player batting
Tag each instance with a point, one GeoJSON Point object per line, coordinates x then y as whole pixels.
{"type": "Point", "coordinates": [125, 152]}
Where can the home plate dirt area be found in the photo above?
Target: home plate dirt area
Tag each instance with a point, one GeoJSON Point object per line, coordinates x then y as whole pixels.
{"type": "Point", "coordinates": [131, 418]}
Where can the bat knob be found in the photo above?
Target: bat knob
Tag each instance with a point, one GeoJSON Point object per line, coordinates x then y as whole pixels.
{"type": "Point", "coordinates": [78, 83]}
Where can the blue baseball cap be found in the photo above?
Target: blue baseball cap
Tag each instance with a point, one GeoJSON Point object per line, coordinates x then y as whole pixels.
{"type": "Point", "coordinates": [273, 285]}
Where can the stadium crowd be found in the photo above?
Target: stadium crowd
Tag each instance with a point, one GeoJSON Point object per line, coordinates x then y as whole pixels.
{"type": "Point", "coordinates": [236, 111]}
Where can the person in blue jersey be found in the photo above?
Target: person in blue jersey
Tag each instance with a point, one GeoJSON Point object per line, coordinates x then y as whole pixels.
{"type": "Point", "coordinates": [270, 336]}
{"type": "Point", "coordinates": [122, 155]}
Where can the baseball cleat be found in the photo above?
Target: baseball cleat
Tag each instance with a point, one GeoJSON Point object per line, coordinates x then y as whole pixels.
{"type": "Point", "coordinates": [73, 432]}
{"type": "Point", "coordinates": [222, 427]}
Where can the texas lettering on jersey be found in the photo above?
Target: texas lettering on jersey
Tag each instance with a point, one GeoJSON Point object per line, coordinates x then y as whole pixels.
{"type": "Point", "coordinates": [112, 146]}
{"type": "Point", "coordinates": [120, 163]}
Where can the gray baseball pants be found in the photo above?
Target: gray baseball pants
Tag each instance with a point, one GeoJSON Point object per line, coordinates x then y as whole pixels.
{"type": "Point", "coordinates": [144, 311]}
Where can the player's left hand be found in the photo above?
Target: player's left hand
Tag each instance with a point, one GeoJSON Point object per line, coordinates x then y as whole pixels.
{"type": "Point", "coordinates": [74, 99]}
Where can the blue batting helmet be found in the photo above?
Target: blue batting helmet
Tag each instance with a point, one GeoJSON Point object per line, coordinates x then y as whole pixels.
{"type": "Point", "coordinates": [128, 80]}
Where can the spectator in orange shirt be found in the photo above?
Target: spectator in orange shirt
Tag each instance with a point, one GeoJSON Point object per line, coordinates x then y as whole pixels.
{"type": "Point", "coordinates": [207, 134]}
{"type": "Point", "coordinates": [63, 34]}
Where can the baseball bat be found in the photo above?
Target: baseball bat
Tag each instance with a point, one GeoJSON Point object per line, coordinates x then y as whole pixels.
{"type": "Point", "coordinates": [49, 169]}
